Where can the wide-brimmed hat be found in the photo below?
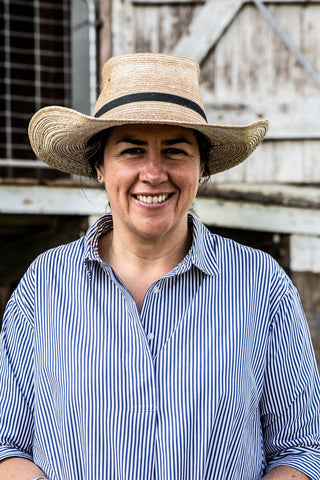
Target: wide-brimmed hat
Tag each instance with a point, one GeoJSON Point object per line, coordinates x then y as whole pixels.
{"type": "Point", "coordinates": [140, 89]}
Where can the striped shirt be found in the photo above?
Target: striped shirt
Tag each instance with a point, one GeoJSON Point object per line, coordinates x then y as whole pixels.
{"type": "Point", "coordinates": [214, 379]}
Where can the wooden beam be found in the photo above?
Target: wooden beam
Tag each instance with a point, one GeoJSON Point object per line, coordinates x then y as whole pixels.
{"type": "Point", "coordinates": [291, 118]}
{"type": "Point", "coordinates": [47, 200]}
{"type": "Point", "coordinates": [270, 194]}
{"type": "Point", "coordinates": [305, 253]}
{"type": "Point", "coordinates": [165, 2]}
{"type": "Point", "coordinates": [301, 2]}
{"type": "Point", "coordinates": [206, 28]}
{"type": "Point", "coordinates": [172, 2]}
{"type": "Point", "coordinates": [122, 19]}
{"type": "Point", "coordinates": [105, 32]}
{"type": "Point", "coordinates": [255, 216]}
{"type": "Point", "coordinates": [212, 20]}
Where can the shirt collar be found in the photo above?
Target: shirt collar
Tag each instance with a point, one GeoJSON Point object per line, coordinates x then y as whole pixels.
{"type": "Point", "coordinates": [202, 253]}
{"type": "Point", "coordinates": [96, 230]}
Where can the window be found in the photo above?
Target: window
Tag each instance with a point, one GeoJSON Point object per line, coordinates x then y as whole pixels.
{"type": "Point", "coordinates": [35, 71]}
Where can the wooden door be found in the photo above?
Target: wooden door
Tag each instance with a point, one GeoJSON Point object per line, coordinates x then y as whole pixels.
{"type": "Point", "coordinates": [248, 72]}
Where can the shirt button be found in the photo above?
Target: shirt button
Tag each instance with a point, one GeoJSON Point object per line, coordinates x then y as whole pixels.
{"type": "Point", "coordinates": [150, 336]}
{"type": "Point", "coordinates": [156, 289]}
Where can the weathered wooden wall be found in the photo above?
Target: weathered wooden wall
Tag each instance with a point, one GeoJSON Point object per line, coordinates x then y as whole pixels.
{"type": "Point", "coordinates": [247, 71]}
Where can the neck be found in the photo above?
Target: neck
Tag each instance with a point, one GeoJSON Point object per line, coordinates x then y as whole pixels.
{"type": "Point", "coordinates": [159, 254]}
{"type": "Point", "coordinates": [139, 262]}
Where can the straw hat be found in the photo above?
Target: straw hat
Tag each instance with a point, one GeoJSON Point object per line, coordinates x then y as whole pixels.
{"type": "Point", "coordinates": [140, 89]}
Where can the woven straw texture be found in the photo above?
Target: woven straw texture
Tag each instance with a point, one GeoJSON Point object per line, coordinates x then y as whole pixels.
{"type": "Point", "coordinates": [59, 136]}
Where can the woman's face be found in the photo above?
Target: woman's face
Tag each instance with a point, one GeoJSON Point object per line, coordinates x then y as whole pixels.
{"type": "Point", "coordinates": [151, 175]}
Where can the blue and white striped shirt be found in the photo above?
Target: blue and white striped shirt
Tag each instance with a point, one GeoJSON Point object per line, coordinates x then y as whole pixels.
{"type": "Point", "coordinates": [215, 379]}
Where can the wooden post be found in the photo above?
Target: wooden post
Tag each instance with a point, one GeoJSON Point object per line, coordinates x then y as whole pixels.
{"type": "Point", "coordinates": [104, 34]}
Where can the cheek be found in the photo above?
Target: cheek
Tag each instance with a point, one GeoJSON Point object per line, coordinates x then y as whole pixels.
{"type": "Point", "coordinates": [190, 177]}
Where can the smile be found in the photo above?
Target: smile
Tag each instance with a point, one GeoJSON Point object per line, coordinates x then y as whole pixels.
{"type": "Point", "coordinates": [152, 198]}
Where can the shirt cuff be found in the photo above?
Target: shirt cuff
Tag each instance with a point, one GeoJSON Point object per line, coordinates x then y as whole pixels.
{"type": "Point", "coordinates": [8, 452]}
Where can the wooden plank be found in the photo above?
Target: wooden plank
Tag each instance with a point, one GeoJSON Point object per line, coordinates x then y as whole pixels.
{"type": "Point", "coordinates": [158, 29]}
{"type": "Point", "coordinates": [211, 20]}
{"type": "Point", "coordinates": [305, 253]}
{"type": "Point", "coordinates": [290, 118]}
{"type": "Point", "coordinates": [310, 34]}
{"type": "Point", "coordinates": [105, 32]}
{"type": "Point", "coordinates": [123, 32]}
{"type": "Point", "coordinates": [280, 162]}
{"type": "Point", "coordinates": [252, 62]}
{"type": "Point", "coordinates": [254, 216]}
{"type": "Point", "coordinates": [170, 2]}
{"type": "Point", "coordinates": [301, 2]}
{"type": "Point", "coordinates": [51, 201]}
{"type": "Point", "coordinates": [165, 2]}
{"type": "Point", "coordinates": [273, 162]}
{"type": "Point", "coordinates": [288, 195]}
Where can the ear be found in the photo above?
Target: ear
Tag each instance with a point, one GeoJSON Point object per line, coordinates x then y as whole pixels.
{"type": "Point", "coordinates": [201, 172]}
{"type": "Point", "coordinates": [100, 175]}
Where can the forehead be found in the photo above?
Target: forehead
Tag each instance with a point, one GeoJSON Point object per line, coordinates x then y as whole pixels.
{"type": "Point", "coordinates": [146, 132]}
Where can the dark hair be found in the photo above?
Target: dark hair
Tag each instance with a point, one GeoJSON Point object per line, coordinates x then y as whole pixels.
{"type": "Point", "coordinates": [204, 149]}
{"type": "Point", "coordinates": [95, 150]}
{"type": "Point", "coordinates": [96, 146]}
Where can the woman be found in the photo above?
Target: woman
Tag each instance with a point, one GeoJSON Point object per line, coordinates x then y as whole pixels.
{"type": "Point", "coordinates": [151, 348]}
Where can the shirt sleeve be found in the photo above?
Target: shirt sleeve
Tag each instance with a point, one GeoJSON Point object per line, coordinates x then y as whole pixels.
{"type": "Point", "coordinates": [16, 383]}
{"type": "Point", "coordinates": [290, 405]}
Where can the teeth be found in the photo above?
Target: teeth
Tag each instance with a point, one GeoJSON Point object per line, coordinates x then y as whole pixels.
{"type": "Point", "coordinates": [152, 198]}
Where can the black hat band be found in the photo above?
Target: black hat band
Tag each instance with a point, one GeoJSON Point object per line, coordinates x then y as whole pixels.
{"type": "Point", "coordinates": [151, 97]}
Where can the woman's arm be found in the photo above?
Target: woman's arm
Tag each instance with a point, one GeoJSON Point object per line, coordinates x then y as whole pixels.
{"type": "Point", "coordinates": [16, 468]}
{"type": "Point", "coordinates": [16, 392]}
{"type": "Point", "coordinates": [290, 403]}
{"type": "Point", "coordinates": [285, 473]}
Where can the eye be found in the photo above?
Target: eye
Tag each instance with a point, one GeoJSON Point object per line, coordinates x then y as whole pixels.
{"type": "Point", "coordinates": [174, 152]}
{"type": "Point", "coordinates": [133, 151]}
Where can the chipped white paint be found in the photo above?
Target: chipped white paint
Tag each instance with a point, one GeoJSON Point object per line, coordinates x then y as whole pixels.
{"type": "Point", "coordinates": [247, 73]}
{"type": "Point", "coordinates": [278, 162]}
{"type": "Point", "coordinates": [290, 118]}
{"type": "Point", "coordinates": [212, 19]}
{"type": "Point", "coordinates": [305, 253]}
{"type": "Point", "coordinates": [123, 31]}
{"type": "Point", "coordinates": [259, 217]}
{"type": "Point", "coordinates": [35, 199]}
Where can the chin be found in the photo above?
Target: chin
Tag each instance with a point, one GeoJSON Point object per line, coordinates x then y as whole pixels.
{"type": "Point", "coordinates": [156, 229]}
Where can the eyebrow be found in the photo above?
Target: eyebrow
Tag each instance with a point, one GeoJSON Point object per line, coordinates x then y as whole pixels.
{"type": "Point", "coordinates": [173, 141]}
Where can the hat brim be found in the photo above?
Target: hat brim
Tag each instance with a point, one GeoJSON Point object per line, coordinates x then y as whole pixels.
{"type": "Point", "coordinates": [59, 137]}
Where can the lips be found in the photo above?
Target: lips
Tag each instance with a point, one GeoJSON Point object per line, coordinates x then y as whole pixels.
{"type": "Point", "coordinates": [152, 198]}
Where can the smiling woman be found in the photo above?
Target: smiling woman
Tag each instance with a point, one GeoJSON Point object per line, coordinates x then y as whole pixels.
{"type": "Point", "coordinates": [151, 175]}
{"type": "Point", "coordinates": [152, 348]}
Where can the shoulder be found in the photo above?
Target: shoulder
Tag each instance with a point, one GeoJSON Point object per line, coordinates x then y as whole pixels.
{"type": "Point", "coordinates": [52, 262]}
{"type": "Point", "coordinates": [242, 264]}
{"type": "Point", "coordinates": [228, 251]}
{"type": "Point", "coordinates": [69, 253]}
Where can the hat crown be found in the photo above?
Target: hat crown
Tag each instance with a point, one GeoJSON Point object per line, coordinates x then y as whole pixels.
{"type": "Point", "coordinates": [134, 74]}
{"type": "Point", "coordinates": [140, 88]}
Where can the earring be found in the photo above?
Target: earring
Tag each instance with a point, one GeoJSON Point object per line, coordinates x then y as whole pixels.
{"type": "Point", "coordinates": [99, 177]}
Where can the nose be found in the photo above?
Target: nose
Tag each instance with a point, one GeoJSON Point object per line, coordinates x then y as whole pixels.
{"type": "Point", "coordinates": [154, 169]}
